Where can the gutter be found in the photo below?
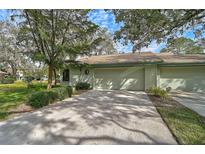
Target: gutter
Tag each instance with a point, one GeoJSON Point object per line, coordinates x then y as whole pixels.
{"type": "Point", "coordinates": [182, 64]}
{"type": "Point", "coordinates": [123, 64]}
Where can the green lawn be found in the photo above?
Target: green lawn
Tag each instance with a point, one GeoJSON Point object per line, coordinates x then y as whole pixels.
{"type": "Point", "coordinates": [186, 125]}
{"type": "Point", "coordinates": [12, 95]}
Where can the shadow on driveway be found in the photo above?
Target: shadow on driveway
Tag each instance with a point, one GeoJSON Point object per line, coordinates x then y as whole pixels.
{"type": "Point", "coordinates": [95, 117]}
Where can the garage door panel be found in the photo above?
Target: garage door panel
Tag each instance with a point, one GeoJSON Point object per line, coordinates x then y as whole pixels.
{"type": "Point", "coordinates": [128, 79]}
{"type": "Point", "coordinates": [183, 78]}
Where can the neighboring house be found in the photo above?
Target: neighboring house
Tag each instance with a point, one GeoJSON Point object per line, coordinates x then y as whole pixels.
{"type": "Point", "coordinates": [19, 75]}
{"type": "Point", "coordinates": [140, 71]}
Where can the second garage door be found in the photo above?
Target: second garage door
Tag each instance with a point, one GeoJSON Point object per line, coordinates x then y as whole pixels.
{"type": "Point", "coordinates": [119, 78]}
{"type": "Point", "coordinates": [183, 78]}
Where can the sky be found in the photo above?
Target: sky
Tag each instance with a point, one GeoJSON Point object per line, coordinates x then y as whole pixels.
{"type": "Point", "coordinates": [106, 19]}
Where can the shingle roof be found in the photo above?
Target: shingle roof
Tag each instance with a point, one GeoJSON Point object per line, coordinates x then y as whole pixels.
{"type": "Point", "coordinates": [189, 58]}
{"type": "Point", "coordinates": [143, 57]}
{"type": "Point", "coordinates": [122, 58]}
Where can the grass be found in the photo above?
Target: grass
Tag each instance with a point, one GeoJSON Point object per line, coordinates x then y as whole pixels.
{"type": "Point", "coordinates": [12, 95]}
{"type": "Point", "coordinates": [187, 126]}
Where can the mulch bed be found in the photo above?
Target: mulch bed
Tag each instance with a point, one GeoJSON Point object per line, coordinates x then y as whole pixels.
{"type": "Point", "coordinates": [164, 102]}
{"type": "Point", "coordinates": [21, 109]}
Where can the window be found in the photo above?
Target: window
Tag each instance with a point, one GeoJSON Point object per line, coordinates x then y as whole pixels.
{"type": "Point", "coordinates": [87, 72]}
{"type": "Point", "coordinates": [66, 76]}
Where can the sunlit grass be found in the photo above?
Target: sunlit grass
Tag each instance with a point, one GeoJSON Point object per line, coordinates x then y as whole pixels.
{"type": "Point", "coordinates": [12, 95]}
{"type": "Point", "coordinates": [186, 125]}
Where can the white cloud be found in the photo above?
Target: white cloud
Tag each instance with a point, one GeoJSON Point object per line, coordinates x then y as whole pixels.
{"type": "Point", "coordinates": [153, 47]}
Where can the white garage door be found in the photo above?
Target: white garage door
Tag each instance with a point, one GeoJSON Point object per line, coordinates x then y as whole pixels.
{"type": "Point", "coordinates": [119, 78]}
{"type": "Point", "coordinates": [183, 78]}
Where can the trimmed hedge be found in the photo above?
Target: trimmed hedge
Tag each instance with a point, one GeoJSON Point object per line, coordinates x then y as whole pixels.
{"type": "Point", "coordinates": [46, 97]}
{"type": "Point", "coordinates": [82, 86]}
{"type": "Point", "coordinates": [7, 80]}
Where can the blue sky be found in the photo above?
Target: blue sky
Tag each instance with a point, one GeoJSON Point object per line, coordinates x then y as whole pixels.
{"type": "Point", "coordinates": [106, 20]}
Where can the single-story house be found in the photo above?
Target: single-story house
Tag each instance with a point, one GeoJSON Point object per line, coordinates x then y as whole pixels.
{"type": "Point", "coordinates": [140, 71]}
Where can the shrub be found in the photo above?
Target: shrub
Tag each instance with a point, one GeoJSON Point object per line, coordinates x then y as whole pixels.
{"type": "Point", "coordinates": [82, 86]}
{"type": "Point", "coordinates": [71, 90]}
{"type": "Point", "coordinates": [46, 97]}
{"type": "Point", "coordinates": [28, 80]}
{"type": "Point", "coordinates": [157, 91]}
{"type": "Point", "coordinates": [168, 89]}
{"type": "Point", "coordinates": [8, 80]}
{"type": "Point", "coordinates": [42, 98]}
{"type": "Point", "coordinates": [63, 92]}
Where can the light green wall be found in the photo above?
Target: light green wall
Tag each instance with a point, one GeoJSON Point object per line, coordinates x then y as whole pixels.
{"type": "Point", "coordinates": [129, 78]}
{"type": "Point", "coordinates": [79, 76]}
{"type": "Point", "coordinates": [150, 76]}
{"type": "Point", "coordinates": [143, 77]}
{"type": "Point", "coordinates": [183, 78]}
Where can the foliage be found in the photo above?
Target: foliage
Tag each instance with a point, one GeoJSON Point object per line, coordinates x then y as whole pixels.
{"type": "Point", "coordinates": [182, 45]}
{"type": "Point", "coordinates": [186, 125]}
{"type": "Point", "coordinates": [12, 95]}
{"type": "Point", "coordinates": [46, 97]}
{"type": "Point", "coordinates": [42, 98]}
{"type": "Point", "coordinates": [63, 92]}
{"type": "Point", "coordinates": [142, 27]}
{"type": "Point", "coordinates": [105, 45]}
{"type": "Point", "coordinates": [10, 52]}
{"type": "Point", "coordinates": [7, 80]}
{"type": "Point", "coordinates": [82, 86]}
{"type": "Point", "coordinates": [3, 115]}
{"type": "Point", "coordinates": [157, 91]}
{"type": "Point", "coordinates": [57, 34]}
{"type": "Point", "coordinates": [28, 80]}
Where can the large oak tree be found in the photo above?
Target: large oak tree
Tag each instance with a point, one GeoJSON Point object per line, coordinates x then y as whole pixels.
{"type": "Point", "coordinates": [57, 33]}
{"type": "Point", "coordinates": [183, 45]}
{"type": "Point", "coordinates": [141, 27]}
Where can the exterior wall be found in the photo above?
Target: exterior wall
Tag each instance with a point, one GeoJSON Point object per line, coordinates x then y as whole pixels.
{"type": "Point", "coordinates": [183, 78]}
{"type": "Point", "coordinates": [150, 76]}
{"type": "Point", "coordinates": [128, 78]}
{"type": "Point", "coordinates": [79, 76]}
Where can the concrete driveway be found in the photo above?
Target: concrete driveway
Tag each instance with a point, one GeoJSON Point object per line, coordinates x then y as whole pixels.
{"type": "Point", "coordinates": [192, 100]}
{"type": "Point", "coordinates": [95, 117]}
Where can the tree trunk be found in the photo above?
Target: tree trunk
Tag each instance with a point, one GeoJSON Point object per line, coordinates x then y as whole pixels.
{"type": "Point", "coordinates": [54, 72]}
{"type": "Point", "coordinates": [14, 70]}
{"type": "Point", "coordinates": [50, 76]}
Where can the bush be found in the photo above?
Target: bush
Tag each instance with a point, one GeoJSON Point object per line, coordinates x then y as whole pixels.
{"type": "Point", "coordinates": [157, 91]}
{"type": "Point", "coordinates": [63, 92]}
{"type": "Point", "coordinates": [8, 80]}
{"type": "Point", "coordinates": [42, 98]}
{"type": "Point", "coordinates": [46, 97]}
{"type": "Point", "coordinates": [82, 86]}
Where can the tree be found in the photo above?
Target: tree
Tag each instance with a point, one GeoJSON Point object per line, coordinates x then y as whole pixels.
{"type": "Point", "coordinates": [182, 45]}
{"type": "Point", "coordinates": [56, 33]}
{"type": "Point", "coordinates": [105, 45]}
{"type": "Point", "coordinates": [141, 27]}
{"type": "Point", "coordinates": [11, 53]}
{"type": "Point", "coordinates": [201, 43]}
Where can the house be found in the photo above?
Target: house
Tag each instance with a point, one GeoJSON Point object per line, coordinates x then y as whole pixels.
{"type": "Point", "coordinates": [140, 71]}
